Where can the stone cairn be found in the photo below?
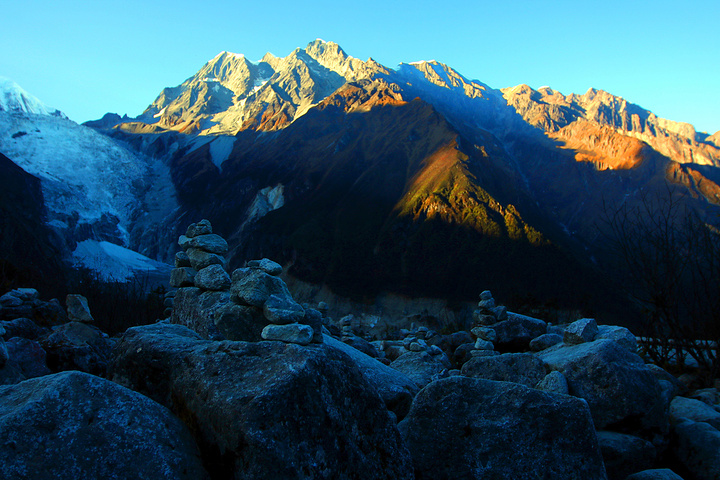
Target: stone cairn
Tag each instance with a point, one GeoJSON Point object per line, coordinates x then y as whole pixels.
{"type": "Point", "coordinates": [487, 313]}
{"type": "Point", "coordinates": [252, 304]}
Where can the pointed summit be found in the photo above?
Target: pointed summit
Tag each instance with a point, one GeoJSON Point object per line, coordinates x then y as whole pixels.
{"type": "Point", "coordinates": [14, 99]}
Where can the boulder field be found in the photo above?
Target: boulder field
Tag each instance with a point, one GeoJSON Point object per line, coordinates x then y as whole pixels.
{"type": "Point", "coordinates": [240, 381]}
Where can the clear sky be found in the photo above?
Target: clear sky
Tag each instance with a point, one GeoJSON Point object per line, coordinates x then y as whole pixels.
{"type": "Point", "coordinates": [90, 57]}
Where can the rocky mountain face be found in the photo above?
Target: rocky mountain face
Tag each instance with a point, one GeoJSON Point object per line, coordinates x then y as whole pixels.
{"type": "Point", "coordinates": [363, 177]}
{"type": "Point", "coordinates": [28, 248]}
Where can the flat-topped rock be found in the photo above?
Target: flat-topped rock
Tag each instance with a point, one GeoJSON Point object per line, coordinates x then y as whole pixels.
{"type": "Point", "coordinates": [210, 243]}
{"type": "Point", "coordinates": [267, 266]}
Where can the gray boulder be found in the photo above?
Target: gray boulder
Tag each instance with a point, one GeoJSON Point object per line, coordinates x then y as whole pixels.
{"type": "Point", "coordinates": [696, 446]}
{"type": "Point", "coordinates": [78, 309]}
{"type": "Point", "coordinates": [621, 335]}
{"type": "Point", "coordinates": [523, 368]}
{"type": "Point", "coordinates": [252, 286]}
{"type": "Point", "coordinates": [625, 454]}
{"type": "Point", "coordinates": [396, 389]}
{"type": "Point", "coordinates": [554, 382]}
{"type": "Point", "coordinates": [22, 327]}
{"type": "Point", "coordinates": [481, 344]}
{"type": "Point", "coordinates": [239, 322]}
{"type": "Point", "coordinates": [28, 357]}
{"type": "Point", "coordinates": [655, 474]}
{"type": "Point", "coordinates": [486, 333]}
{"type": "Point", "coordinates": [197, 310]}
{"type": "Point", "coordinates": [581, 331]}
{"type": "Point", "coordinates": [282, 309]}
{"type": "Point", "coordinates": [615, 383]}
{"type": "Point", "coordinates": [517, 331]}
{"type": "Point", "coordinates": [213, 277]}
{"type": "Point", "coordinates": [200, 259]}
{"type": "Point", "coordinates": [182, 277]}
{"type": "Point", "coordinates": [695, 410]}
{"type": "Point", "coordinates": [421, 367]}
{"type": "Point", "coordinates": [545, 341]}
{"type": "Point", "coordinates": [9, 300]}
{"type": "Point", "coordinates": [266, 410]}
{"type": "Point", "coordinates": [72, 425]}
{"type": "Point", "coordinates": [209, 242]}
{"type": "Point", "coordinates": [289, 333]}
{"type": "Point", "coordinates": [267, 266]}
{"type": "Point", "coordinates": [461, 427]}
{"type": "Point", "coordinates": [215, 317]}
{"type": "Point", "coordinates": [203, 227]}
{"type": "Point", "coordinates": [182, 260]}
{"type": "Point", "coordinates": [77, 346]}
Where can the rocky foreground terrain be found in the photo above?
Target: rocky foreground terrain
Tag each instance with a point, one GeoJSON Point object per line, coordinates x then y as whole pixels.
{"type": "Point", "coordinates": [241, 381]}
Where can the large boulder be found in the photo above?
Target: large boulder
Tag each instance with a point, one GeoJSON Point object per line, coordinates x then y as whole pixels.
{"type": "Point", "coordinates": [215, 317]}
{"type": "Point", "coordinates": [395, 388]}
{"type": "Point", "coordinates": [78, 309]}
{"type": "Point", "coordinates": [697, 446]}
{"type": "Point", "coordinates": [655, 474]}
{"type": "Point", "coordinates": [694, 410]}
{"type": "Point", "coordinates": [462, 427]}
{"type": "Point", "coordinates": [580, 331]}
{"type": "Point", "coordinates": [517, 331]}
{"type": "Point", "coordinates": [625, 454]}
{"type": "Point", "coordinates": [621, 335]}
{"type": "Point", "coordinates": [77, 346]}
{"type": "Point", "coordinates": [23, 328]}
{"type": "Point", "coordinates": [28, 357]}
{"type": "Point", "coordinates": [252, 286]}
{"type": "Point", "coordinates": [200, 259]}
{"type": "Point", "coordinates": [208, 242]}
{"type": "Point", "coordinates": [72, 425]}
{"type": "Point", "coordinates": [422, 367]}
{"type": "Point", "coordinates": [212, 277]}
{"type": "Point", "coordinates": [614, 382]}
{"type": "Point", "coordinates": [523, 368]}
{"type": "Point", "coordinates": [266, 410]}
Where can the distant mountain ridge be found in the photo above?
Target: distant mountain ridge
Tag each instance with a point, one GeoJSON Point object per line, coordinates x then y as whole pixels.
{"type": "Point", "coordinates": [414, 179]}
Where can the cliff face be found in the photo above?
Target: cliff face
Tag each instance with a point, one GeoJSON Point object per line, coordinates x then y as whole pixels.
{"type": "Point", "coordinates": [28, 252]}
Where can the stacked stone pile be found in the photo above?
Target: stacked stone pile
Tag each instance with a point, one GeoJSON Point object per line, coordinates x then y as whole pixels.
{"type": "Point", "coordinates": [38, 337]}
{"type": "Point", "coordinates": [252, 304]}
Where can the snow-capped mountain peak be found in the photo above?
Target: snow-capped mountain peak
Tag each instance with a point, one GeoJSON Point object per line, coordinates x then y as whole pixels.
{"type": "Point", "coordinates": [14, 99]}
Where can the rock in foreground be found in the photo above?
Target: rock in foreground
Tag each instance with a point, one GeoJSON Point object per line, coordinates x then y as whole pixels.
{"type": "Point", "coordinates": [266, 410]}
{"type": "Point", "coordinates": [470, 428]}
{"type": "Point", "coordinates": [73, 425]}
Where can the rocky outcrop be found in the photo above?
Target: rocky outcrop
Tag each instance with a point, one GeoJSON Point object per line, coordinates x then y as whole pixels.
{"type": "Point", "coordinates": [521, 368]}
{"type": "Point", "coordinates": [48, 343]}
{"type": "Point", "coordinates": [72, 425]}
{"type": "Point", "coordinates": [266, 409]}
{"type": "Point", "coordinates": [696, 446]}
{"type": "Point", "coordinates": [470, 428]}
{"type": "Point", "coordinates": [625, 454]}
{"type": "Point", "coordinates": [615, 383]}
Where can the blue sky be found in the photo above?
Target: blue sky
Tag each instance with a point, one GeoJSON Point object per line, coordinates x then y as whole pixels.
{"type": "Point", "coordinates": [91, 57]}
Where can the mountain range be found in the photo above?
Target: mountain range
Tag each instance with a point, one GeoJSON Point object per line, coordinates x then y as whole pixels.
{"type": "Point", "coordinates": [368, 179]}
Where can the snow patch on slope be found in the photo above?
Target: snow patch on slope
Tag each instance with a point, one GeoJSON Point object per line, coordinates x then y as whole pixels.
{"type": "Point", "coordinates": [220, 149]}
{"type": "Point", "coordinates": [115, 263]}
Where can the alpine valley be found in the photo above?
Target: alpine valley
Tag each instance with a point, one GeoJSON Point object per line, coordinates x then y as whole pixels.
{"type": "Point", "coordinates": [362, 178]}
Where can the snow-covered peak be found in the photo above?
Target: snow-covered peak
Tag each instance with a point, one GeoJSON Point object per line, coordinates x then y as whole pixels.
{"type": "Point", "coordinates": [14, 99]}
